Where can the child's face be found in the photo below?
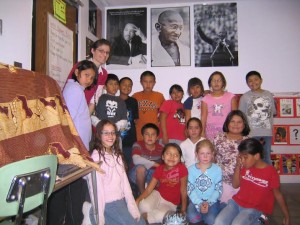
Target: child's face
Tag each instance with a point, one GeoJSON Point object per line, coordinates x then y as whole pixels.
{"type": "Point", "coordinates": [194, 130]}
{"type": "Point", "coordinates": [205, 155]}
{"type": "Point", "coordinates": [217, 83]}
{"type": "Point", "coordinates": [150, 136]}
{"type": "Point", "coordinates": [236, 125]}
{"type": "Point", "coordinates": [171, 157]}
{"type": "Point", "coordinates": [126, 87]}
{"type": "Point", "coordinates": [176, 95]}
{"type": "Point", "coordinates": [195, 91]}
{"type": "Point", "coordinates": [254, 83]}
{"type": "Point", "coordinates": [108, 135]}
{"type": "Point", "coordinates": [86, 77]}
{"type": "Point", "coordinates": [112, 87]}
{"type": "Point", "coordinates": [248, 160]}
{"type": "Point", "coordinates": [148, 83]}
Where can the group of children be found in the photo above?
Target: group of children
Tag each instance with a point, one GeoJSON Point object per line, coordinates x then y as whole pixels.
{"type": "Point", "coordinates": [165, 148]}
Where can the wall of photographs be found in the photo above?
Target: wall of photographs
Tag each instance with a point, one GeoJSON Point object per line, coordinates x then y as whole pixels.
{"type": "Point", "coordinates": [286, 137]}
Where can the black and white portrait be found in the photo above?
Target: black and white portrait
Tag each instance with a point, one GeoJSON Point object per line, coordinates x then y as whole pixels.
{"type": "Point", "coordinates": [216, 35]}
{"type": "Point", "coordinates": [127, 32]}
{"type": "Point", "coordinates": [92, 17]}
{"type": "Point", "coordinates": [170, 28]}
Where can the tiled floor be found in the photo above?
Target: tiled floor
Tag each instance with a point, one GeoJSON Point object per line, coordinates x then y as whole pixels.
{"type": "Point", "coordinates": [291, 193]}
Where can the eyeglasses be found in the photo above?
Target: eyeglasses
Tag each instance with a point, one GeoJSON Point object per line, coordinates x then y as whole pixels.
{"type": "Point", "coordinates": [102, 51]}
{"type": "Point", "coordinates": [108, 133]}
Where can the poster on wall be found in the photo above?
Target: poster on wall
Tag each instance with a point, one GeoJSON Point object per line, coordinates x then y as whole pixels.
{"type": "Point", "coordinates": [286, 107]}
{"type": "Point", "coordinates": [216, 35]}
{"type": "Point", "coordinates": [92, 18]}
{"type": "Point", "coordinates": [170, 37]}
{"type": "Point", "coordinates": [280, 134]}
{"type": "Point", "coordinates": [59, 50]}
{"type": "Point", "coordinates": [127, 32]}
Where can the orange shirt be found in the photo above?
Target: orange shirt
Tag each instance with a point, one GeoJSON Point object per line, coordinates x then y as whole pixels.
{"type": "Point", "coordinates": [149, 104]}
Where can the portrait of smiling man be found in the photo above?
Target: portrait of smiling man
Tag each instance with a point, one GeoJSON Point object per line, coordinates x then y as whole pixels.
{"type": "Point", "coordinates": [170, 37]}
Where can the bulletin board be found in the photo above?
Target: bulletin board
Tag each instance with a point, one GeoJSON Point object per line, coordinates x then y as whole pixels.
{"type": "Point", "coordinates": [59, 50]}
{"type": "Point", "coordinates": [286, 137]}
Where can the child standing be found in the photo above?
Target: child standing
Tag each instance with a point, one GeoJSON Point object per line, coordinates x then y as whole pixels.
{"type": "Point", "coordinates": [204, 185]}
{"type": "Point", "coordinates": [171, 191]}
{"type": "Point", "coordinates": [172, 118]}
{"type": "Point", "coordinates": [258, 183]}
{"type": "Point", "coordinates": [66, 204]}
{"type": "Point", "coordinates": [149, 102]}
{"type": "Point", "coordinates": [128, 135]}
{"type": "Point", "coordinates": [146, 156]}
{"type": "Point", "coordinates": [111, 106]}
{"type": "Point", "coordinates": [216, 105]}
{"type": "Point", "coordinates": [192, 105]}
{"type": "Point", "coordinates": [116, 204]}
{"type": "Point", "coordinates": [259, 107]}
{"type": "Point", "coordinates": [193, 130]}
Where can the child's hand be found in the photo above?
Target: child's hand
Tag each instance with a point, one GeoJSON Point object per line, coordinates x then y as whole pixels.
{"type": "Point", "coordinates": [286, 221]}
{"type": "Point", "coordinates": [204, 207]}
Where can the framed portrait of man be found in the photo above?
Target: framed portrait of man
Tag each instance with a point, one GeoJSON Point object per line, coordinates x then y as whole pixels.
{"type": "Point", "coordinates": [170, 37]}
{"type": "Point", "coordinates": [92, 18]}
{"type": "Point", "coordinates": [127, 33]}
{"type": "Point", "coordinates": [216, 35]}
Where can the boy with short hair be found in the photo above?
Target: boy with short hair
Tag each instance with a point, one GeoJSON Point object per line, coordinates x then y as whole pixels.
{"type": "Point", "coordinates": [259, 107]}
{"type": "Point", "coordinates": [128, 135]}
{"type": "Point", "coordinates": [146, 156]}
{"type": "Point", "coordinates": [110, 106]}
{"type": "Point", "coordinates": [149, 102]}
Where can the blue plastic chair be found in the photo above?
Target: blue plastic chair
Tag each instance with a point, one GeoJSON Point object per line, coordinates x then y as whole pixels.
{"type": "Point", "coordinates": [25, 185]}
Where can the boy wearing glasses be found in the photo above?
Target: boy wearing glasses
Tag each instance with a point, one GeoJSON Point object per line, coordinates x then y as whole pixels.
{"type": "Point", "coordinates": [146, 156]}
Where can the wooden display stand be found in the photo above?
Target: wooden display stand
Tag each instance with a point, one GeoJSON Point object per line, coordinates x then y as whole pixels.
{"type": "Point", "coordinates": [286, 137]}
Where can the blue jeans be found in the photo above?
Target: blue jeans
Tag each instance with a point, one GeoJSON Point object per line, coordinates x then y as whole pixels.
{"type": "Point", "coordinates": [194, 216]}
{"type": "Point", "coordinates": [148, 174]}
{"type": "Point", "coordinates": [233, 214]}
{"type": "Point", "coordinates": [267, 142]}
{"type": "Point", "coordinates": [116, 213]}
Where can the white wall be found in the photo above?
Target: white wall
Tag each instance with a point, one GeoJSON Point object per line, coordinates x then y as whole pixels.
{"type": "Point", "coordinates": [15, 40]}
{"type": "Point", "coordinates": [269, 37]}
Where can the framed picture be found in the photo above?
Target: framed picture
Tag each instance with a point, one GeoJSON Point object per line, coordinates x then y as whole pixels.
{"type": "Point", "coordinates": [294, 134]}
{"type": "Point", "coordinates": [280, 134]}
{"type": "Point", "coordinates": [286, 107]}
{"type": "Point", "coordinates": [92, 18]}
{"type": "Point", "coordinates": [289, 164]}
{"type": "Point", "coordinates": [170, 37]}
{"type": "Point", "coordinates": [216, 35]}
{"type": "Point", "coordinates": [127, 33]}
{"type": "Point", "coordinates": [276, 162]}
{"type": "Point", "coordinates": [88, 45]}
{"type": "Point", "coordinates": [297, 107]}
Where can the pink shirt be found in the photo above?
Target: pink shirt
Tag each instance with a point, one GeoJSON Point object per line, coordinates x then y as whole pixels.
{"type": "Point", "coordinates": [113, 185]}
{"type": "Point", "coordinates": [218, 109]}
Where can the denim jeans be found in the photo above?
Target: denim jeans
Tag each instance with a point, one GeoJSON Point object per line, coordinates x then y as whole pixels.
{"type": "Point", "coordinates": [267, 142]}
{"type": "Point", "coordinates": [233, 214]}
{"type": "Point", "coordinates": [116, 213]}
{"type": "Point", "coordinates": [148, 174]}
{"type": "Point", "coordinates": [194, 216]}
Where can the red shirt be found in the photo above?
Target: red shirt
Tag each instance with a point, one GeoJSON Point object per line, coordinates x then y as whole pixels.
{"type": "Point", "coordinates": [169, 182]}
{"type": "Point", "coordinates": [256, 189]}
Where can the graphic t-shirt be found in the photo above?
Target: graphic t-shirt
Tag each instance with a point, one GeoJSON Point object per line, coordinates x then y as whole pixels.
{"type": "Point", "coordinates": [149, 104]}
{"type": "Point", "coordinates": [169, 182]}
{"type": "Point", "coordinates": [112, 108]}
{"type": "Point", "coordinates": [218, 109]}
{"type": "Point", "coordinates": [256, 188]}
